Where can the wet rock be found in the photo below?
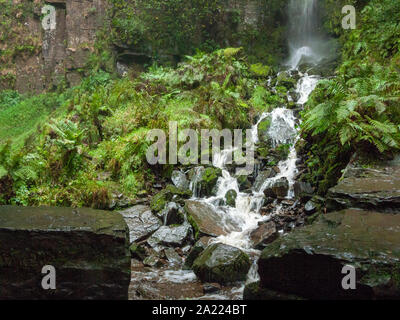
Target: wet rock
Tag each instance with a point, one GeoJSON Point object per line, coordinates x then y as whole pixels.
{"type": "Point", "coordinates": [303, 190]}
{"type": "Point", "coordinates": [262, 177]}
{"type": "Point", "coordinates": [263, 131]}
{"type": "Point", "coordinates": [137, 252]}
{"type": "Point", "coordinates": [310, 207]}
{"type": "Point", "coordinates": [171, 236]}
{"type": "Point", "coordinates": [376, 186]}
{"type": "Point", "coordinates": [205, 180]}
{"type": "Point", "coordinates": [141, 222]}
{"type": "Point", "coordinates": [172, 256]}
{"type": "Point", "coordinates": [253, 291]}
{"type": "Point", "coordinates": [179, 179]}
{"type": "Point", "coordinates": [264, 234]}
{"type": "Point", "coordinates": [207, 221]}
{"type": "Point", "coordinates": [278, 189]}
{"type": "Point", "coordinates": [230, 198]}
{"type": "Point", "coordinates": [170, 193]}
{"type": "Point", "coordinates": [88, 248]}
{"type": "Point", "coordinates": [172, 214]}
{"type": "Point", "coordinates": [196, 250]}
{"type": "Point", "coordinates": [211, 288]}
{"type": "Point", "coordinates": [152, 261]}
{"type": "Point", "coordinates": [243, 182]}
{"type": "Point", "coordinates": [209, 180]}
{"type": "Point", "coordinates": [308, 262]}
{"type": "Point", "coordinates": [286, 81]}
{"type": "Point", "coordinates": [222, 263]}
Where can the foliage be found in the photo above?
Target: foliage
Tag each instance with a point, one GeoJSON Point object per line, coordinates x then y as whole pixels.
{"type": "Point", "coordinates": [88, 145]}
{"type": "Point", "coordinates": [358, 110]}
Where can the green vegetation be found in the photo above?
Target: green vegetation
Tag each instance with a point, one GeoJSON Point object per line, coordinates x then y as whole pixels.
{"type": "Point", "coordinates": [358, 110]}
{"type": "Point", "coordinates": [169, 29]}
{"type": "Point", "coordinates": [87, 146]}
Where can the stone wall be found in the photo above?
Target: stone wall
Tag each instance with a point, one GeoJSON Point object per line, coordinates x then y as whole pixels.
{"type": "Point", "coordinates": [62, 53]}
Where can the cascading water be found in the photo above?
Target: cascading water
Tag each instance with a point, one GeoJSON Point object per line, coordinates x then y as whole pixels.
{"type": "Point", "coordinates": [306, 45]}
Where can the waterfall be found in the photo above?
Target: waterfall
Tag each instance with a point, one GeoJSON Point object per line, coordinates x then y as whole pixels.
{"type": "Point", "coordinates": [306, 43]}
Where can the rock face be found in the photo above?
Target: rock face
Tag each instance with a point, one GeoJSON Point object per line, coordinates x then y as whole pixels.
{"type": "Point", "coordinates": [375, 187]}
{"type": "Point", "coordinates": [206, 220]}
{"type": "Point", "coordinates": [141, 222]}
{"type": "Point", "coordinates": [264, 234]}
{"type": "Point", "coordinates": [222, 263]}
{"type": "Point", "coordinates": [308, 262]}
{"type": "Point", "coordinates": [89, 250]}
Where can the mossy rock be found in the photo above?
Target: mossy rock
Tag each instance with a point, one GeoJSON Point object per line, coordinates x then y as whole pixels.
{"type": "Point", "coordinates": [161, 199]}
{"type": "Point", "coordinates": [222, 263]}
{"type": "Point", "coordinates": [209, 180]}
{"type": "Point", "coordinates": [260, 70]}
{"type": "Point", "coordinates": [284, 80]}
{"type": "Point", "coordinates": [230, 198]}
{"type": "Point", "coordinates": [244, 182]}
{"type": "Point", "coordinates": [196, 250]}
{"type": "Point", "coordinates": [137, 252]}
{"type": "Point", "coordinates": [308, 262]}
{"type": "Point", "coordinates": [263, 128]}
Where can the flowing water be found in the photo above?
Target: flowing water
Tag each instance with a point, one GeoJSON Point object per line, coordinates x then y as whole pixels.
{"type": "Point", "coordinates": [306, 45]}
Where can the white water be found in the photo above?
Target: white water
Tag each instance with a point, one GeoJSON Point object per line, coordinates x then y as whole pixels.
{"type": "Point", "coordinates": [305, 46]}
{"type": "Point", "coordinates": [306, 43]}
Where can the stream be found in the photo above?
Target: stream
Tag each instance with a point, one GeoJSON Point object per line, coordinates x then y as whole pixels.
{"type": "Point", "coordinates": [305, 46]}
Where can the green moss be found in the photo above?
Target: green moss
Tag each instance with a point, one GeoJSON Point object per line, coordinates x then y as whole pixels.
{"type": "Point", "coordinates": [260, 70]}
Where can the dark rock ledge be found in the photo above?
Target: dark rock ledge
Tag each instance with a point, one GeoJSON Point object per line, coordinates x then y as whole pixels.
{"type": "Point", "coordinates": [88, 248]}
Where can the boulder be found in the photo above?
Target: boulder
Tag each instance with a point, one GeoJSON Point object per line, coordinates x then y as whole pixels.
{"type": "Point", "coordinates": [172, 256]}
{"type": "Point", "coordinates": [205, 180]}
{"type": "Point", "coordinates": [376, 186]}
{"type": "Point", "coordinates": [222, 263]}
{"type": "Point", "coordinates": [160, 200]}
{"type": "Point", "coordinates": [244, 182]}
{"type": "Point", "coordinates": [207, 221]}
{"type": "Point", "coordinates": [278, 189]}
{"type": "Point", "coordinates": [303, 189]}
{"type": "Point", "coordinates": [173, 213]}
{"type": "Point", "coordinates": [196, 250]}
{"type": "Point", "coordinates": [309, 261]}
{"type": "Point", "coordinates": [89, 250]}
{"type": "Point", "coordinates": [179, 179]}
{"type": "Point", "coordinates": [264, 234]}
{"type": "Point", "coordinates": [141, 222]}
{"type": "Point", "coordinates": [262, 177]}
{"type": "Point", "coordinates": [310, 207]}
{"type": "Point", "coordinates": [171, 236]}
{"type": "Point", "coordinates": [152, 261]}
{"type": "Point", "coordinates": [263, 130]}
